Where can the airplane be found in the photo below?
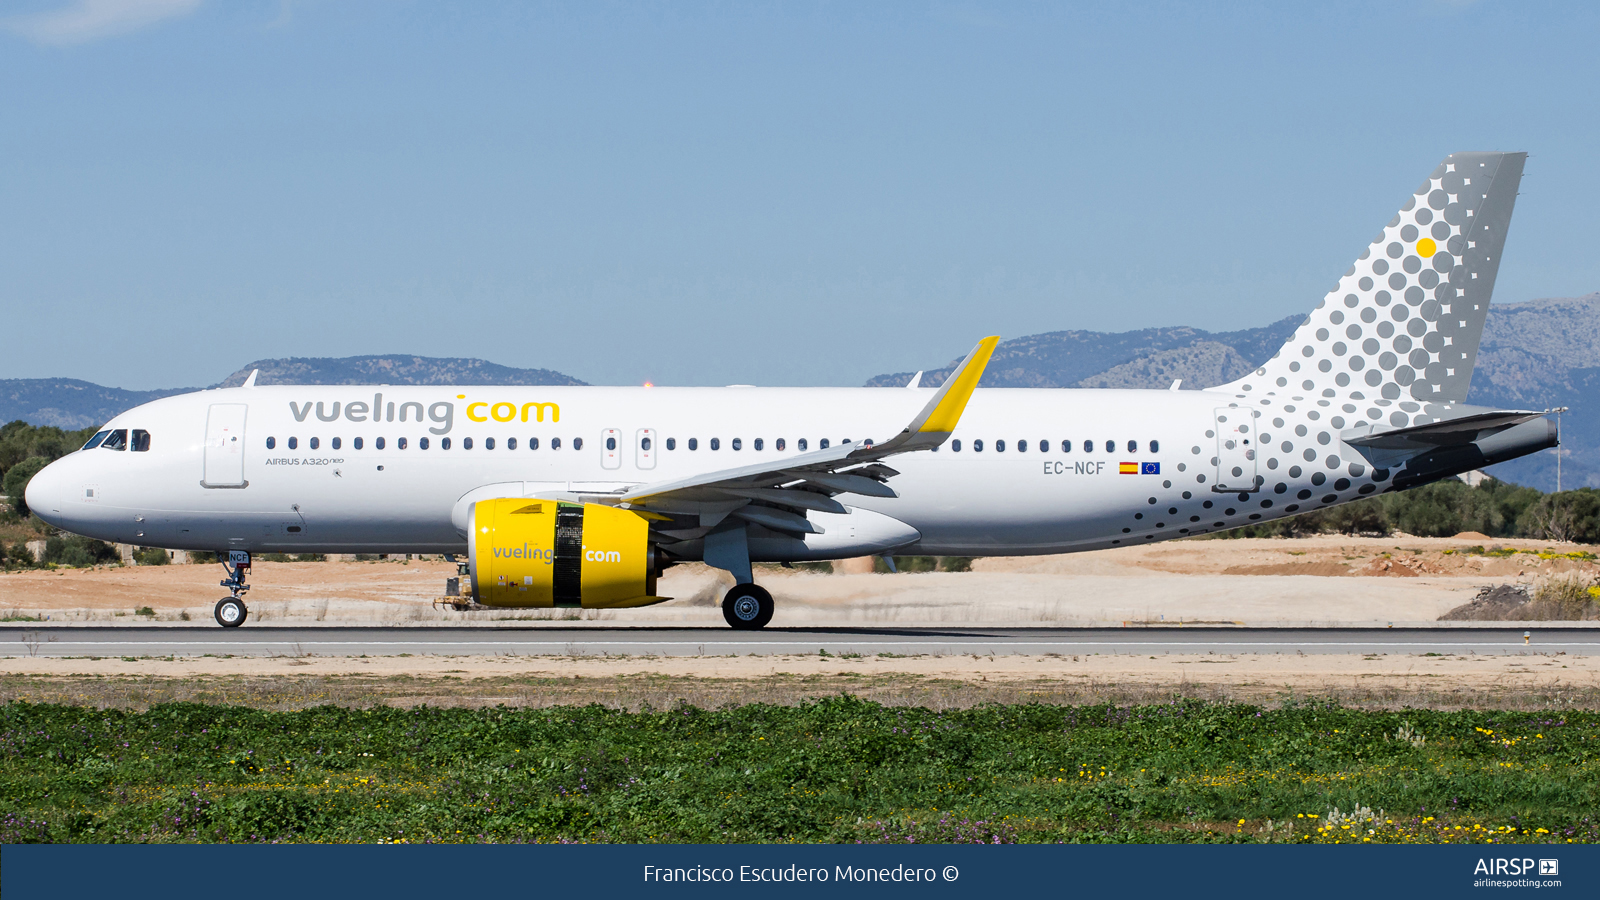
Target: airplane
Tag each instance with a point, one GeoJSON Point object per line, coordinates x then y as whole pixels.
{"type": "Point", "coordinates": [581, 496]}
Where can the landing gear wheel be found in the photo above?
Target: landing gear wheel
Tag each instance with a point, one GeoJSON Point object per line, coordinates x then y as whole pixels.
{"type": "Point", "coordinates": [231, 612]}
{"type": "Point", "coordinates": [748, 607]}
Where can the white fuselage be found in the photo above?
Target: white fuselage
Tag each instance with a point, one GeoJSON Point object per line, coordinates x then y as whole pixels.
{"type": "Point", "coordinates": [1024, 492]}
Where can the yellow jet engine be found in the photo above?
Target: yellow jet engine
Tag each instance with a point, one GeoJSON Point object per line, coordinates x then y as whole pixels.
{"type": "Point", "coordinates": [543, 553]}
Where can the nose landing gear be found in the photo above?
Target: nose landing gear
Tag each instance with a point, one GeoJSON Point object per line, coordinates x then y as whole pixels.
{"type": "Point", "coordinates": [231, 611]}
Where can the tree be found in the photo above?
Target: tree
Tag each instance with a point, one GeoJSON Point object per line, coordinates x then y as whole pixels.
{"type": "Point", "coordinates": [16, 481]}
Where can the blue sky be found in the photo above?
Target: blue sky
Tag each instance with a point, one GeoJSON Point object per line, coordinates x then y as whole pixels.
{"type": "Point", "coordinates": [765, 193]}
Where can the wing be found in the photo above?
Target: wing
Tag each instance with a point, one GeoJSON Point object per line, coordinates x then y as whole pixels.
{"type": "Point", "coordinates": [778, 494]}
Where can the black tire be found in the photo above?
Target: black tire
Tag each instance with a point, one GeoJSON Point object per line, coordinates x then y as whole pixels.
{"type": "Point", "coordinates": [748, 607]}
{"type": "Point", "coordinates": [231, 612]}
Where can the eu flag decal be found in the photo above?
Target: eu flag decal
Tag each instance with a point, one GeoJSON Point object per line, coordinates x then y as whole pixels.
{"type": "Point", "coordinates": [1150, 468]}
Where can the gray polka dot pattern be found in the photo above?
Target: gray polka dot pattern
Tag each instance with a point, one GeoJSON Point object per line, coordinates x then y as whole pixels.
{"type": "Point", "coordinates": [1425, 280]}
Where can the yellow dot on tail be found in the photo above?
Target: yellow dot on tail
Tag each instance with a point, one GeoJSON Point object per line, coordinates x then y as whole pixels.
{"type": "Point", "coordinates": [1426, 247]}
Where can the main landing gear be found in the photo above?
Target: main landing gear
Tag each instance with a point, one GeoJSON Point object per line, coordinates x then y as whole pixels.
{"type": "Point", "coordinates": [747, 607]}
{"type": "Point", "coordinates": [231, 611]}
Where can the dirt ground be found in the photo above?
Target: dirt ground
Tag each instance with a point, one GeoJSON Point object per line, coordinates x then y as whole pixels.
{"type": "Point", "coordinates": [1324, 580]}
{"type": "Point", "coordinates": [1533, 681]}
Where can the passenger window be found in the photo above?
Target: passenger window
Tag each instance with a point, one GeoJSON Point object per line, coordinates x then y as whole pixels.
{"type": "Point", "coordinates": [999, 446]}
{"type": "Point", "coordinates": [555, 443]}
{"type": "Point", "coordinates": [1133, 446]}
{"type": "Point", "coordinates": [100, 436]}
{"type": "Point", "coordinates": [738, 443]}
{"type": "Point", "coordinates": [444, 443]}
{"type": "Point", "coordinates": [422, 443]}
{"type": "Point", "coordinates": [644, 444]}
{"type": "Point", "coordinates": [823, 444]}
{"type": "Point", "coordinates": [1066, 446]}
{"type": "Point", "coordinates": [511, 443]}
{"type": "Point", "coordinates": [294, 443]}
{"type": "Point", "coordinates": [337, 443]}
{"type": "Point", "coordinates": [272, 442]}
{"type": "Point", "coordinates": [466, 443]}
{"type": "Point", "coordinates": [777, 445]}
{"type": "Point", "coordinates": [1022, 446]}
{"type": "Point", "coordinates": [716, 443]}
{"type": "Point", "coordinates": [379, 443]}
{"type": "Point", "coordinates": [533, 443]}
{"type": "Point", "coordinates": [401, 443]}
{"type": "Point", "coordinates": [315, 443]}
{"type": "Point", "coordinates": [611, 444]}
{"type": "Point", "coordinates": [977, 446]}
{"type": "Point", "coordinates": [141, 440]}
{"type": "Point", "coordinates": [577, 443]}
{"type": "Point", "coordinates": [801, 444]}
{"type": "Point", "coordinates": [672, 443]}
{"type": "Point", "coordinates": [488, 443]}
{"type": "Point", "coordinates": [1111, 446]}
{"type": "Point", "coordinates": [759, 443]}
{"type": "Point", "coordinates": [1044, 446]}
{"type": "Point", "coordinates": [955, 446]}
{"type": "Point", "coordinates": [1155, 446]}
{"type": "Point", "coordinates": [694, 443]}
{"type": "Point", "coordinates": [359, 443]}
{"type": "Point", "coordinates": [1088, 446]}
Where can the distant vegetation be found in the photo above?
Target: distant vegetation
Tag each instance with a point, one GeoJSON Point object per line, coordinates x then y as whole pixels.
{"type": "Point", "coordinates": [25, 449]}
{"type": "Point", "coordinates": [1493, 508]}
{"type": "Point", "coordinates": [840, 770]}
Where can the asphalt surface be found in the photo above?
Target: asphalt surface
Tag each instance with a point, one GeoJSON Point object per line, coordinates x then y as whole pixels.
{"type": "Point", "coordinates": [545, 640]}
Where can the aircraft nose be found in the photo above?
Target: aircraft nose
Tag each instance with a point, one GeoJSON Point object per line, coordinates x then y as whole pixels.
{"type": "Point", "coordinates": [47, 493]}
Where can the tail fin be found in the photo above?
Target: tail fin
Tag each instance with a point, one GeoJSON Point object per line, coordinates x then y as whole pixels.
{"type": "Point", "coordinates": [1405, 320]}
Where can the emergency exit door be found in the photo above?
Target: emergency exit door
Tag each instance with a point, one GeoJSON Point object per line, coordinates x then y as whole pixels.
{"type": "Point", "coordinates": [1236, 450]}
{"type": "Point", "coordinates": [224, 460]}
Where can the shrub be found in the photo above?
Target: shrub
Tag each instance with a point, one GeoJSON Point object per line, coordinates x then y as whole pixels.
{"type": "Point", "coordinates": [1570, 597]}
{"type": "Point", "coordinates": [72, 550]}
{"type": "Point", "coordinates": [151, 556]}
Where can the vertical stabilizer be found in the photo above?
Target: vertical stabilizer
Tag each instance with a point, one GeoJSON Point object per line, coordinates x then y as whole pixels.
{"type": "Point", "coordinates": [1404, 322]}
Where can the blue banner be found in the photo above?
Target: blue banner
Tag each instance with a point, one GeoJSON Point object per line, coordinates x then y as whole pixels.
{"type": "Point", "coordinates": [34, 872]}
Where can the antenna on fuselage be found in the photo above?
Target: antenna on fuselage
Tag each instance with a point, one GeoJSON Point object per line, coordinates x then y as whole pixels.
{"type": "Point", "coordinates": [251, 381]}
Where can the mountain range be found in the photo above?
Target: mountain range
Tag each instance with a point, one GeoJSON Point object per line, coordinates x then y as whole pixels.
{"type": "Point", "coordinates": [1534, 355]}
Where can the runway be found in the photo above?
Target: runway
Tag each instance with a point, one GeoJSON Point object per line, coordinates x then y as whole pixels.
{"type": "Point", "coordinates": [546, 640]}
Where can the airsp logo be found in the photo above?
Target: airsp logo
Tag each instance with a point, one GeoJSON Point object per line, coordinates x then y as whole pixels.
{"type": "Point", "coordinates": [1502, 866]}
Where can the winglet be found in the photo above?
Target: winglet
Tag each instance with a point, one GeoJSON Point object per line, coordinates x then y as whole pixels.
{"type": "Point", "coordinates": [944, 410]}
{"type": "Point", "coordinates": [931, 426]}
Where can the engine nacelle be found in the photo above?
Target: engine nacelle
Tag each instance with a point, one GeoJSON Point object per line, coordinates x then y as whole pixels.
{"type": "Point", "coordinates": [542, 553]}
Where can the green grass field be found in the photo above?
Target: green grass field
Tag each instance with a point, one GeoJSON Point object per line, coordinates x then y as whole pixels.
{"type": "Point", "coordinates": [836, 770]}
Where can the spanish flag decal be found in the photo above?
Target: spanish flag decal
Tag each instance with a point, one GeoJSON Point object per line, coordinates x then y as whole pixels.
{"type": "Point", "coordinates": [1127, 468]}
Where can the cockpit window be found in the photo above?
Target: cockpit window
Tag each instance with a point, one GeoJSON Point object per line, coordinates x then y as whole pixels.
{"type": "Point", "coordinates": [115, 440]}
{"type": "Point", "coordinates": [141, 440]}
{"type": "Point", "coordinates": [95, 441]}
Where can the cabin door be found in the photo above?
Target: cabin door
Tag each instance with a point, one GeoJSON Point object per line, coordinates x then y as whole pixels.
{"type": "Point", "coordinates": [224, 460]}
{"type": "Point", "coordinates": [1236, 450]}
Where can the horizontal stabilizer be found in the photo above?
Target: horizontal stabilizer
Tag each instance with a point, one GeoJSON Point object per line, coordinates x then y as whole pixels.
{"type": "Point", "coordinates": [1463, 430]}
